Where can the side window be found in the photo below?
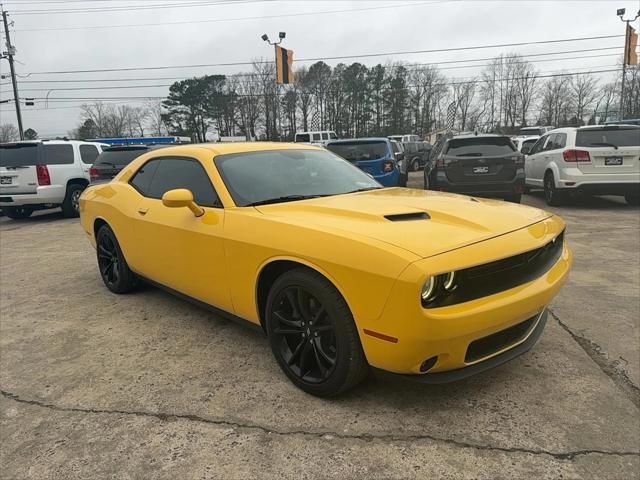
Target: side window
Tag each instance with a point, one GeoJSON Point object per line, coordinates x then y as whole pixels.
{"type": "Point", "coordinates": [186, 173]}
{"type": "Point", "coordinates": [88, 154]}
{"type": "Point", "coordinates": [141, 180]}
{"type": "Point", "coordinates": [332, 135]}
{"type": "Point", "coordinates": [561, 140]}
{"type": "Point", "coordinates": [325, 136]}
{"type": "Point", "coordinates": [316, 136]}
{"type": "Point", "coordinates": [537, 148]}
{"type": "Point", "coordinates": [57, 154]}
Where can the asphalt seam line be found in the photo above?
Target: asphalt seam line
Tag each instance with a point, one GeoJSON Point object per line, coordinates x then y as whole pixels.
{"type": "Point", "coordinates": [610, 368]}
{"type": "Point", "coordinates": [327, 435]}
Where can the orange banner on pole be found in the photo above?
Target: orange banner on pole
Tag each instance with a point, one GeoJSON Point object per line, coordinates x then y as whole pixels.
{"type": "Point", "coordinates": [630, 46]}
{"type": "Point", "coordinates": [284, 65]}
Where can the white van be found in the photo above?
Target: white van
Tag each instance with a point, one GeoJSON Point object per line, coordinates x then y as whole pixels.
{"type": "Point", "coordinates": [321, 137]}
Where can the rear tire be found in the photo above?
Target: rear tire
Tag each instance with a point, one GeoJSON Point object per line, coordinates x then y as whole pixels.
{"type": "Point", "coordinates": [513, 198]}
{"type": "Point", "coordinates": [71, 203]}
{"type": "Point", "coordinates": [313, 335]}
{"type": "Point", "coordinates": [17, 213]}
{"type": "Point", "coordinates": [113, 267]}
{"type": "Point", "coordinates": [552, 195]}
{"type": "Point", "coordinates": [415, 165]}
{"type": "Point", "coordinates": [632, 199]}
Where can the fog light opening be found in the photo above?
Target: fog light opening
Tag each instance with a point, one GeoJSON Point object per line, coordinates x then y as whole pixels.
{"type": "Point", "coordinates": [428, 364]}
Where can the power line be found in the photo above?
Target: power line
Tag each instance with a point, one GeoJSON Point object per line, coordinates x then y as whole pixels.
{"type": "Point", "coordinates": [339, 57]}
{"type": "Point", "coordinates": [219, 20]}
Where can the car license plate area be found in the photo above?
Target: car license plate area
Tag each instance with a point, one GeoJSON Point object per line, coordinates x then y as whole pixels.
{"type": "Point", "coordinates": [5, 180]}
{"type": "Point", "coordinates": [612, 161]}
{"type": "Point", "coordinates": [481, 169]}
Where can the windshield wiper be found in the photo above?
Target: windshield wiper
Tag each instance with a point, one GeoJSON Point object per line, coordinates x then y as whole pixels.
{"type": "Point", "coordinates": [604, 144]}
{"type": "Point", "coordinates": [287, 198]}
{"type": "Point", "coordinates": [363, 190]}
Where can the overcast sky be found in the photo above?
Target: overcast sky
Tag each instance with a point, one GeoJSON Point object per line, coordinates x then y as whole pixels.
{"type": "Point", "coordinates": [331, 28]}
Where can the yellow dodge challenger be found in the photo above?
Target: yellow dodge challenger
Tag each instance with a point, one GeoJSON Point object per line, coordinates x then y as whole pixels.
{"type": "Point", "coordinates": [341, 274]}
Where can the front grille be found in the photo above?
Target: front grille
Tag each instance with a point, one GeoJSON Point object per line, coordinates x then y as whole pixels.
{"type": "Point", "coordinates": [490, 278]}
{"type": "Point", "coordinates": [6, 199]}
{"type": "Point", "coordinates": [486, 346]}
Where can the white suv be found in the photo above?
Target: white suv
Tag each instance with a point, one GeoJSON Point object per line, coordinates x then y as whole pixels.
{"type": "Point", "coordinates": [598, 160]}
{"type": "Point", "coordinates": [44, 174]}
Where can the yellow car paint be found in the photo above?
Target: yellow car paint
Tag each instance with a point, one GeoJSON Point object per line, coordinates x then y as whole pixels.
{"type": "Point", "coordinates": [378, 266]}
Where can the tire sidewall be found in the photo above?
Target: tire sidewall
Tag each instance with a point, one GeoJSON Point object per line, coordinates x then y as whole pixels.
{"type": "Point", "coordinates": [343, 325]}
{"type": "Point", "coordinates": [124, 283]}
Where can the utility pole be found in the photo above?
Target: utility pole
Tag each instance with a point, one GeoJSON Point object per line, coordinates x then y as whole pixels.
{"type": "Point", "coordinates": [10, 52]}
{"type": "Point", "coordinates": [626, 56]}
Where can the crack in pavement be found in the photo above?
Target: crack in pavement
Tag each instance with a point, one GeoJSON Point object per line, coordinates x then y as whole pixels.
{"type": "Point", "coordinates": [326, 435]}
{"type": "Point", "coordinates": [599, 357]}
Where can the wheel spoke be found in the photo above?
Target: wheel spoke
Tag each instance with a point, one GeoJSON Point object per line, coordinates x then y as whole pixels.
{"type": "Point", "coordinates": [303, 305]}
{"type": "Point", "coordinates": [318, 314]}
{"type": "Point", "coordinates": [105, 267]}
{"type": "Point", "coordinates": [102, 249]}
{"type": "Point", "coordinates": [285, 321]}
{"type": "Point", "coordinates": [303, 357]}
{"type": "Point", "coordinates": [296, 352]}
{"type": "Point", "coordinates": [287, 331]}
{"type": "Point", "coordinates": [323, 369]}
{"type": "Point", "coordinates": [293, 302]}
{"type": "Point", "coordinates": [323, 354]}
{"type": "Point", "coordinates": [324, 328]}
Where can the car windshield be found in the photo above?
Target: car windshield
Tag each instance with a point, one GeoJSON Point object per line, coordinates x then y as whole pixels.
{"type": "Point", "coordinates": [119, 158]}
{"type": "Point", "coordinates": [607, 137]}
{"type": "Point", "coordinates": [355, 151]}
{"type": "Point", "coordinates": [18, 154]}
{"type": "Point", "coordinates": [285, 175]}
{"type": "Point", "coordinates": [480, 147]}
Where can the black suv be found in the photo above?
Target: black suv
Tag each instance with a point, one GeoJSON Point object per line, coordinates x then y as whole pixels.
{"type": "Point", "coordinates": [482, 165]}
{"type": "Point", "coordinates": [416, 154]}
{"type": "Point", "coordinates": [113, 159]}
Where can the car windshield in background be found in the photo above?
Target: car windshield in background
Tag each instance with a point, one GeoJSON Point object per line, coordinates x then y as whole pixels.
{"type": "Point", "coordinates": [119, 158]}
{"type": "Point", "coordinates": [355, 151]}
{"type": "Point", "coordinates": [18, 154]}
{"type": "Point", "coordinates": [607, 137]}
{"type": "Point", "coordinates": [286, 175]}
{"type": "Point", "coordinates": [530, 131]}
{"type": "Point", "coordinates": [479, 147]}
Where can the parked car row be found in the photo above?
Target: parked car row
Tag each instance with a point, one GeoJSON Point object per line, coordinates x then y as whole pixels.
{"type": "Point", "coordinates": [597, 160]}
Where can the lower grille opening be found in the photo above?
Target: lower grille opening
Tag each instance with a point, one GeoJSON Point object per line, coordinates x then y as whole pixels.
{"type": "Point", "coordinates": [485, 346]}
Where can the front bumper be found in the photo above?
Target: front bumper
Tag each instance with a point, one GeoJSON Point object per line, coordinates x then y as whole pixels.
{"type": "Point", "coordinates": [419, 334]}
{"type": "Point", "coordinates": [524, 345]}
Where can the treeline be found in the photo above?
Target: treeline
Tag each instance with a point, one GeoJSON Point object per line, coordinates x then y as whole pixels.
{"type": "Point", "coordinates": [355, 100]}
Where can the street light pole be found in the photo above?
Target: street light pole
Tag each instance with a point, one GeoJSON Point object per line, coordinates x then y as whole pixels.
{"type": "Point", "coordinates": [627, 45]}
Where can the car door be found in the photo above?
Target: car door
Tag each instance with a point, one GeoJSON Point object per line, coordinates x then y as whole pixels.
{"type": "Point", "coordinates": [534, 163]}
{"type": "Point", "coordinates": [172, 246]}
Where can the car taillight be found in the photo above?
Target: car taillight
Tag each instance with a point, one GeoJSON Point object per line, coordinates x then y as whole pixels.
{"type": "Point", "coordinates": [576, 156]}
{"type": "Point", "coordinates": [43, 175]}
{"type": "Point", "coordinates": [93, 173]}
{"type": "Point", "coordinates": [387, 166]}
{"type": "Point", "coordinates": [440, 163]}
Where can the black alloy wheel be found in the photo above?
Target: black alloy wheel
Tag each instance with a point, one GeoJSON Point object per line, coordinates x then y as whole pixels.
{"type": "Point", "coordinates": [312, 334]}
{"type": "Point", "coordinates": [305, 334]}
{"type": "Point", "coordinates": [114, 270]}
{"type": "Point", "coordinates": [553, 196]}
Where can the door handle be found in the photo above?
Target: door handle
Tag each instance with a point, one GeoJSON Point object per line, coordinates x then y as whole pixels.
{"type": "Point", "coordinates": [143, 211]}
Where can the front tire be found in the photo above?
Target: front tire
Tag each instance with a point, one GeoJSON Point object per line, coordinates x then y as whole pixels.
{"type": "Point", "coordinates": [17, 213]}
{"type": "Point", "coordinates": [114, 270]}
{"type": "Point", "coordinates": [313, 335]}
{"type": "Point", "coordinates": [415, 166]}
{"type": "Point", "coordinates": [71, 203]}
{"type": "Point", "coordinates": [552, 195]}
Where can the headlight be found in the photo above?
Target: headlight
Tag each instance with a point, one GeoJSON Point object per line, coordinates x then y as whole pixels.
{"type": "Point", "coordinates": [449, 281]}
{"type": "Point", "coordinates": [429, 289]}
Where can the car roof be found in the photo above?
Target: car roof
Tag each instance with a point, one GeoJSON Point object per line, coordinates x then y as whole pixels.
{"type": "Point", "coordinates": [479, 135]}
{"type": "Point", "coordinates": [238, 147]}
{"type": "Point", "coordinates": [364, 139]}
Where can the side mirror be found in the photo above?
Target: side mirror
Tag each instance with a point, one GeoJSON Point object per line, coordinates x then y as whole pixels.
{"type": "Point", "coordinates": [181, 197]}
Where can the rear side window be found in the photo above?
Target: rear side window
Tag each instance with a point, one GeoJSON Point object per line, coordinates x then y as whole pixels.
{"type": "Point", "coordinates": [302, 137]}
{"type": "Point", "coordinates": [141, 181]}
{"type": "Point", "coordinates": [186, 173]}
{"type": "Point", "coordinates": [119, 158]}
{"type": "Point", "coordinates": [354, 151]}
{"type": "Point", "coordinates": [556, 141]}
{"type": "Point", "coordinates": [480, 147]}
{"type": "Point", "coordinates": [316, 136]}
{"type": "Point", "coordinates": [606, 137]}
{"type": "Point", "coordinates": [57, 154]}
{"type": "Point", "coordinates": [325, 136]}
{"type": "Point", "coordinates": [88, 154]}
{"type": "Point", "coordinates": [18, 155]}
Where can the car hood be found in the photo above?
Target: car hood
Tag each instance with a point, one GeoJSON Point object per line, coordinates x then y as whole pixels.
{"type": "Point", "coordinates": [425, 223]}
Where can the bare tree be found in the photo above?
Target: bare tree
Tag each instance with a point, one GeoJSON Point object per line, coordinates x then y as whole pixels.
{"type": "Point", "coordinates": [584, 90]}
{"type": "Point", "coordinates": [556, 101]}
{"type": "Point", "coordinates": [463, 94]}
{"type": "Point", "coordinates": [154, 121]}
{"type": "Point", "coordinates": [8, 133]}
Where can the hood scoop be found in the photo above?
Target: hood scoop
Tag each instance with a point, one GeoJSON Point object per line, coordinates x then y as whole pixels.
{"type": "Point", "coordinates": [407, 217]}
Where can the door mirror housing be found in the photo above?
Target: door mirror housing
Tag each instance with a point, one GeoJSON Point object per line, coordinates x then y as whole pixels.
{"type": "Point", "coordinates": [181, 197]}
